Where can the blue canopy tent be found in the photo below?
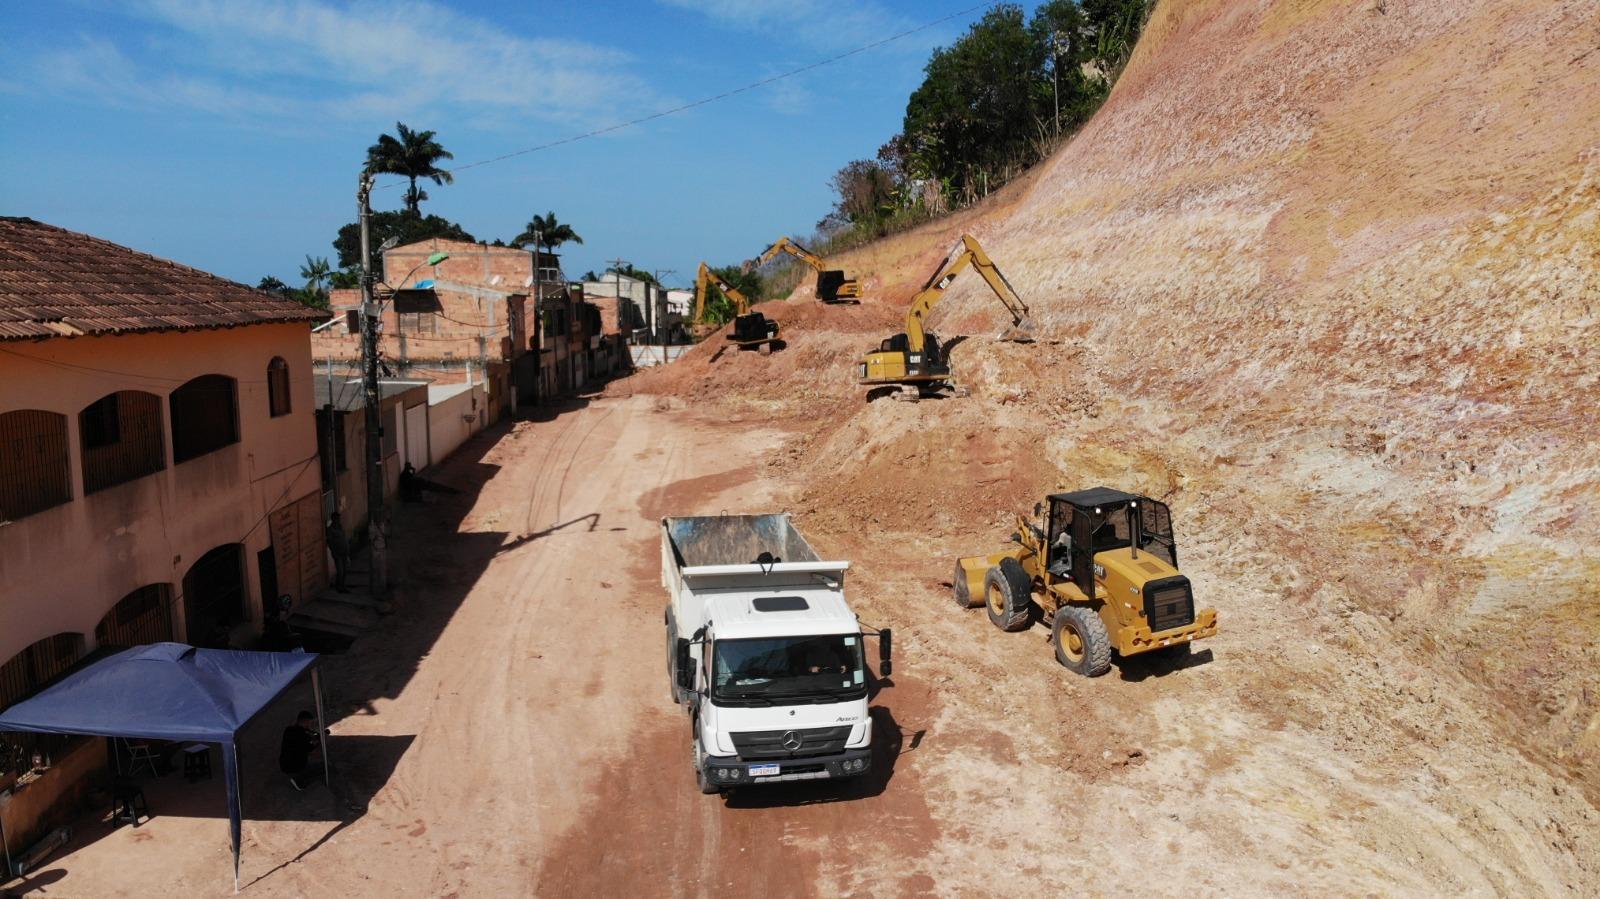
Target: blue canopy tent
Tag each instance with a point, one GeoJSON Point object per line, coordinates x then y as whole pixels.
{"type": "Point", "coordinates": [170, 691]}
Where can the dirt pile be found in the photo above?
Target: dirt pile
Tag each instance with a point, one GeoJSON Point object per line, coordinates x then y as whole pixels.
{"type": "Point", "coordinates": [1325, 276]}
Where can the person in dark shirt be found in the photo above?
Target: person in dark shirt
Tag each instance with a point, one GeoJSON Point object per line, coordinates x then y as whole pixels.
{"type": "Point", "coordinates": [300, 742]}
{"type": "Point", "coordinates": [339, 548]}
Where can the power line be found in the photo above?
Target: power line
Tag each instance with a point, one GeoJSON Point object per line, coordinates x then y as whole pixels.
{"type": "Point", "coordinates": [712, 99]}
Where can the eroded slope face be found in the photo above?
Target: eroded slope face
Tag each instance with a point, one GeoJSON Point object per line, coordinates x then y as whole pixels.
{"type": "Point", "coordinates": [1326, 277]}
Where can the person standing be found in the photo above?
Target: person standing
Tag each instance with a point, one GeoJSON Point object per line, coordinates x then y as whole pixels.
{"type": "Point", "coordinates": [339, 548]}
{"type": "Point", "coordinates": [300, 742]}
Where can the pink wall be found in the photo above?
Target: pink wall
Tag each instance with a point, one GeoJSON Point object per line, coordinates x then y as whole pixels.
{"type": "Point", "coordinates": [63, 568]}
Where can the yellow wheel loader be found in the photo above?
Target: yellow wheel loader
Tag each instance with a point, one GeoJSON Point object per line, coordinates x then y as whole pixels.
{"type": "Point", "coordinates": [751, 330]}
{"type": "Point", "coordinates": [832, 285]}
{"type": "Point", "coordinates": [1102, 568]}
{"type": "Point", "coordinates": [916, 361]}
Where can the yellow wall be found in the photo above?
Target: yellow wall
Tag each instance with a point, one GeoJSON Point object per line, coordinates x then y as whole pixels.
{"type": "Point", "coordinates": [63, 568]}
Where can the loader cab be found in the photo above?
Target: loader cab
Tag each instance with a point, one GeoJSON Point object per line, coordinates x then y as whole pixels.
{"type": "Point", "coordinates": [1085, 522]}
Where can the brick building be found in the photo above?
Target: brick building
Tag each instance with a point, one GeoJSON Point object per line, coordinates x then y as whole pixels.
{"type": "Point", "coordinates": [483, 316]}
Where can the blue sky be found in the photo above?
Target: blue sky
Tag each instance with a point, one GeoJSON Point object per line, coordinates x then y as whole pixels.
{"type": "Point", "coordinates": [228, 134]}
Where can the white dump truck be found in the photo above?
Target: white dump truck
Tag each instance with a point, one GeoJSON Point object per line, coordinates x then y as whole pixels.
{"type": "Point", "coordinates": [764, 653]}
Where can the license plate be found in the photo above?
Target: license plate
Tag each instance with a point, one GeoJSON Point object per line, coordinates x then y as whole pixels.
{"type": "Point", "coordinates": [763, 770]}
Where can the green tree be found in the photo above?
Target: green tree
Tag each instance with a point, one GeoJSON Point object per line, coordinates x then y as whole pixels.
{"type": "Point", "coordinates": [273, 285]}
{"type": "Point", "coordinates": [412, 155]}
{"type": "Point", "coordinates": [404, 226]}
{"type": "Point", "coordinates": [627, 270]}
{"type": "Point", "coordinates": [317, 272]}
{"type": "Point", "coordinates": [978, 109]}
{"type": "Point", "coordinates": [548, 231]}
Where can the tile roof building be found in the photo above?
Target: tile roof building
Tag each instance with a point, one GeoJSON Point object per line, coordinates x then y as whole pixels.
{"type": "Point", "coordinates": [59, 283]}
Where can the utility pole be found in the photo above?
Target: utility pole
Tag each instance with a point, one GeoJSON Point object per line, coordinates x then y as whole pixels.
{"type": "Point", "coordinates": [661, 291]}
{"type": "Point", "coordinates": [377, 520]}
{"type": "Point", "coordinates": [538, 315]}
{"type": "Point", "coordinates": [616, 269]}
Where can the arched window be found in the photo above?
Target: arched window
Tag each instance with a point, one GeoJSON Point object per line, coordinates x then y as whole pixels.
{"type": "Point", "coordinates": [35, 471]}
{"type": "Point", "coordinates": [278, 387]}
{"type": "Point", "coordinates": [204, 417]}
{"type": "Point", "coordinates": [120, 436]}
{"type": "Point", "coordinates": [143, 616]}
{"type": "Point", "coordinates": [33, 667]}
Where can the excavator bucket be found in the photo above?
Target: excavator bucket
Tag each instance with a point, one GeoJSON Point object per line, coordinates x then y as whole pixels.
{"type": "Point", "coordinates": [1020, 331]}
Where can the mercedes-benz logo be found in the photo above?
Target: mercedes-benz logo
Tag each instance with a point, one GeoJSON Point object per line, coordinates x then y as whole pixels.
{"type": "Point", "coordinates": [792, 741]}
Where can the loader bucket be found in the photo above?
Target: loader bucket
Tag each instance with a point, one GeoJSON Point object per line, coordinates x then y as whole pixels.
{"type": "Point", "coordinates": [970, 572]}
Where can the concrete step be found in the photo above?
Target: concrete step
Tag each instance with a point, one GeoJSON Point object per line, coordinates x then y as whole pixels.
{"type": "Point", "coordinates": [355, 599]}
{"type": "Point", "coordinates": [338, 613]}
{"type": "Point", "coordinates": [302, 623]}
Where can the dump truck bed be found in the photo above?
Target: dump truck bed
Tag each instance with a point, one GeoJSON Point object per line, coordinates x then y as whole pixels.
{"type": "Point", "coordinates": [751, 553]}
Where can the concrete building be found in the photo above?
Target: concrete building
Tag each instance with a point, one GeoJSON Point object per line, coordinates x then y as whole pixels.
{"type": "Point", "coordinates": [342, 442]}
{"type": "Point", "coordinates": [654, 316]}
{"type": "Point", "coordinates": [158, 469]}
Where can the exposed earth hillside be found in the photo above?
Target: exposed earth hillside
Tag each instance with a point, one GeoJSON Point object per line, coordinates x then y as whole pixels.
{"type": "Point", "coordinates": [1323, 276]}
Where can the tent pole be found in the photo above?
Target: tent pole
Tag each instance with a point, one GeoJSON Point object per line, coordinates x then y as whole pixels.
{"type": "Point", "coordinates": [230, 767]}
{"type": "Point", "coordinates": [322, 727]}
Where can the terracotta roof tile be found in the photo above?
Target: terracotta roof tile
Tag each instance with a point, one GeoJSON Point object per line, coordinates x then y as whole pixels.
{"type": "Point", "coordinates": [59, 283]}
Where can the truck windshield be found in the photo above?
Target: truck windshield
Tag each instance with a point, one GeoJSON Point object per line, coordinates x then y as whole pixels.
{"type": "Point", "coordinates": [777, 668]}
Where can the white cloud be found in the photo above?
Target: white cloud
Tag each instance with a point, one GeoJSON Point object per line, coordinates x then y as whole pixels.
{"type": "Point", "coordinates": [315, 58]}
{"type": "Point", "coordinates": [826, 24]}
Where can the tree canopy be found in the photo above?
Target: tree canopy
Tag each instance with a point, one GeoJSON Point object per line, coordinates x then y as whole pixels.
{"type": "Point", "coordinates": [407, 227]}
{"type": "Point", "coordinates": [549, 232]}
{"type": "Point", "coordinates": [412, 155]}
{"type": "Point", "coordinates": [997, 100]}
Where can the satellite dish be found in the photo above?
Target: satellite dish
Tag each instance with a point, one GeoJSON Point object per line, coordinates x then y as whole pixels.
{"type": "Point", "coordinates": [526, 282]}
{"type": "Point", "coordinates": [495, 280]}
{"type": "Point", "coordinates": [389, 244]}
{"type": "Point", "coordinates": [423, 285]}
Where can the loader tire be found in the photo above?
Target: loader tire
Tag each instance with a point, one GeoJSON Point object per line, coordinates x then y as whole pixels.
{"type": "Point", "coordinates": [963, 593]}
{"type": "Point", "coordinates": [1082, 645]}
{"type": "Point", "coordinates": [1008, 595]}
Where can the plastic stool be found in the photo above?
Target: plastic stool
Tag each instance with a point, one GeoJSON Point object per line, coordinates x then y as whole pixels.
{"type": "Point", "coordinates": [196, 762]}
{"type": "Point", "coordinates": [127, 801]}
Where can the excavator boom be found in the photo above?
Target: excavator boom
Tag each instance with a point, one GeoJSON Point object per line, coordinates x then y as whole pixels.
{"type": "Point", "coordinates": [750, 329]}
{"type": "Point", "coordinates": [915, 360]}
{"type": "Point", "coordinates": [832, 285]}
{"type": "Point", "coordinates": [964, 254]}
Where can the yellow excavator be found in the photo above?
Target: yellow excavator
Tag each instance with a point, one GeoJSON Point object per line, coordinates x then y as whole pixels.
{"type": "Point", "coordinates": [832, 285]}
{"type": "Point", "coordinates": [1102, 569]}
{"type": "Point", "coordinates": [751, 330]}
{"type": "Point", "coordinates": [915, 361]}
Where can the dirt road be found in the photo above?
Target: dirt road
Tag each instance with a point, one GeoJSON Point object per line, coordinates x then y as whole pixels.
{"type": "Point", "coordinates": [509, 731]}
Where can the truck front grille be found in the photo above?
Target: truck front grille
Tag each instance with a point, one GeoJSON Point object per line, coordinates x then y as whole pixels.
{"type": "Point", "coordinates": [802, 742]}
{"type": "Point", "coordinates": [1168, 603]}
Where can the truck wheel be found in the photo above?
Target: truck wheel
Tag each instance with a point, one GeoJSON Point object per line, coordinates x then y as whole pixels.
{"type": "Point", "coordinates": [1081, 641]}
{"type": "Point", "coordinates": [963, 593]}
{"type": "Point", "coordinates": [1008, 594]}
{"type": "Point", "coordinates": [700, 778]}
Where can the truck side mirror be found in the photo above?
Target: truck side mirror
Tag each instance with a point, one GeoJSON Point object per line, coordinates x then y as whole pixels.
{"type": "Point", "coordinates": [684, 666]}
{"type": "Point", "coordinates": [885, 652]}
{"type": "Point", "coordinates": [1038, 509]}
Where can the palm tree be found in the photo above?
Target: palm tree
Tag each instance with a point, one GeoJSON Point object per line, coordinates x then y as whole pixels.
{"type": "Point", "coordinates": [317, 272]}
{"type": "Point", "coordinates": [547, 231]}
{"type": "Point", "coordinates": [413, 154]}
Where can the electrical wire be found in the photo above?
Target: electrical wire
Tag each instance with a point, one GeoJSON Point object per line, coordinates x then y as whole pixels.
{"type": "Point", "coordinates": [754, 85]}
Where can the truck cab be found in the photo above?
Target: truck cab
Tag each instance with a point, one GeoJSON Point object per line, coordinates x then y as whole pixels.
{"type": "Point", "coordinates": [765, 654]}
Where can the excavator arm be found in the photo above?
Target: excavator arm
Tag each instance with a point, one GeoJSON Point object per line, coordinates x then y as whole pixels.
{"type": "Point", "coordinates": [785, 245]}
{"type": "Point", "coordinates": [964, 254]}
{"type": "Point", "coordinates": [706, 277]}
